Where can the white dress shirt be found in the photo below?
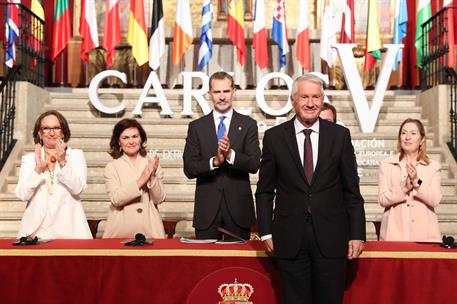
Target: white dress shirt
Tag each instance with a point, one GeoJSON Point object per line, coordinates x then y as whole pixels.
{"type": "Point", "coordinates": [301, 139]}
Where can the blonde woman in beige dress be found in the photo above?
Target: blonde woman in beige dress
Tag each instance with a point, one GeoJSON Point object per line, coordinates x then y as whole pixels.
{"type": "Point", "coordinates": [134, 184]}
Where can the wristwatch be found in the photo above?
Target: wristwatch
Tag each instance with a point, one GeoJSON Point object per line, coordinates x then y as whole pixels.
{"type": "Point", "coordinates": [419, 183]}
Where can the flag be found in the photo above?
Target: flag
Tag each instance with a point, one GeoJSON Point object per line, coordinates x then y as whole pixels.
{"type": "Point", "coordinates": [328, 33]}
{"type": "Point", "coordinates": [400, 23]}
{"type": "Point", "coordinates": [303, 51]}
{"type": "Point", "coordinates": [450, 33]}
{"type": "Point", "coordinates": [259, 35]}
{"type": "Point", "coordinates": [36, 37]}
{"type": "Point", "coordinates": [279, 31]}
{"type": "Point", "coordinates": [112, 35]}
{"type": "Point", "coordinates": [88, 29]}
{"type": "Point", "coordinates": [136, 34]}
{"type": "Point", "coordinates": [62, 28]}
{"type": "Point", "coordinates": [373, 40]}
{"type": "Point", "coordinates": [157, 39]}
{"type": "Point", "coordinates": [206, 38]}
{"type": "Point", "coordinates": [11, 31]}
{"type": "Point", "coordinates": [347, 24]}
{"type": "Point", "coordinates": [182, 34]}
{"type": "Point", "coordinates": [424, 12]}
{"type": "Point", "coordinates": [235, 27]}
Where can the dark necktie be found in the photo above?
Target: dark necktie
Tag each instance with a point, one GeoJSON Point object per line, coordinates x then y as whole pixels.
{"type": "Point", "coordinates": [221, 128]}
{"type": "Point", "coordinates": [308, 155]}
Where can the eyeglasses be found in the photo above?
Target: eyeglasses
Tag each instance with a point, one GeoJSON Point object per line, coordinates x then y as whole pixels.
{"type": "Point", "coordinates": [313, 97]}
{"type": "Point", "coordinates": [47, 130]}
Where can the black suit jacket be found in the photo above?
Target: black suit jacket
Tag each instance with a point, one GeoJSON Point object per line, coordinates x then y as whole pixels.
{"type": "Point", "coordinates": [229, 181]}
{"type": "Point", "coordinates": [333, 197]}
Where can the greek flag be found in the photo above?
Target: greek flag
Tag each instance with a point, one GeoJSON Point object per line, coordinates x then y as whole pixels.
{"type": "Point", "coordinates": [206, 38]}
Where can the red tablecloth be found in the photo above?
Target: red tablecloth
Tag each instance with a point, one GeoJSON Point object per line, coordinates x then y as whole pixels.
{"type": "Point", "coordinates": [106, 271]}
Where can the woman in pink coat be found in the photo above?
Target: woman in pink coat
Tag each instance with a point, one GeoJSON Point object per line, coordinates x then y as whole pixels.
{"type": "Point", "coordinates": [409, 189]}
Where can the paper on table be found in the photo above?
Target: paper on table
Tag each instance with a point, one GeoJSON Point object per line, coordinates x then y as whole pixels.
{"type": "Point", "coordinates": [196, 241]}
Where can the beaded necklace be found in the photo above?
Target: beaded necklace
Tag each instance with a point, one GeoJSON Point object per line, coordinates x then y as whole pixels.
{"type": "Point", "coordinates": [51, 183]}
{"type": "Point", "coordinates": [53, 160]}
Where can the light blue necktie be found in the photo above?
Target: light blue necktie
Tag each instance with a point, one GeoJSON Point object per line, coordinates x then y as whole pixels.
{"type": "Point", "coordinates": [221, 128]}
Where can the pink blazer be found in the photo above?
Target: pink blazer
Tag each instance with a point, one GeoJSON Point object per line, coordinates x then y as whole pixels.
{"type": "Point", "coordinates": [409, 217]}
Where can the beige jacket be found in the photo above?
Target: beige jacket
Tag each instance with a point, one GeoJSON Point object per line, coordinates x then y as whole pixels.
{"type": "Point", "coordinates": [133, 210]}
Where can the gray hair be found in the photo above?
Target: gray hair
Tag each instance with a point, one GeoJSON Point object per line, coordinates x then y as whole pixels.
{"type": "Point", "coordinates": [307, 77]}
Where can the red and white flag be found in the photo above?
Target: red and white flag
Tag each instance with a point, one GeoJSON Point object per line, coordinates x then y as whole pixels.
{"type": "Point", "coordinates": [302, 42]}
{"type": "Point", "coordinates": [259, 35]}
{"type": "Point", "coordinates": [347, 24]}
{"type": "Point", "coordinates": [112, 30]}
{"type": "Point", "coordinates": [450, 33]}
{"type": "Point", "coordinates": [88, 28]}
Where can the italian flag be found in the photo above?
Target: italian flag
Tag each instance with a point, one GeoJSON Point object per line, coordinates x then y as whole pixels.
{"type": "Point", "coordinates": [373, 42]}
{"type": "Point", "coordinates": [62, 28]}
{"type": "Point", "coordinates": [424, 12]}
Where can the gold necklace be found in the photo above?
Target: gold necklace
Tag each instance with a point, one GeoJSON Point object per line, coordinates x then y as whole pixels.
{"type": "Point", "coordinates": [51, 183]}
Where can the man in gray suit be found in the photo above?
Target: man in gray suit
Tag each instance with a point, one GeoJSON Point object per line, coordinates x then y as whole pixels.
{"type": "Point", "coordinates": [222, 148]}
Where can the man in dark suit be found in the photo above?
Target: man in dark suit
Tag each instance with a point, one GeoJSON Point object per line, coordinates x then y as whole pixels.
{"type": "Point", "coordinates": [222, 148]}
{"type": "Point", "coordinates": [318, 220]}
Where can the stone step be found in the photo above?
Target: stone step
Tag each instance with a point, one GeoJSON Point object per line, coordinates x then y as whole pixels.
{"type": "Point", "coordinates": [178, 204]}
{"type": "Point", "coordinates": [171, 160]}
{"type": "Point", "coordinates": [96, 184]}
{"type": "Point", "coordinates": [85, 110]}
{"type": "Point", "coordinates": [176, 140]}
{"type": "Point", "coordinates": [177, 94]}
{"type": "Point", "coordinates": [180, 125]}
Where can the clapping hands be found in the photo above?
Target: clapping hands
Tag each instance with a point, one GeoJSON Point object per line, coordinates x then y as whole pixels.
{"type": "Point", "coordinates": [149, 171]}
{"type": "Point", "coordinates": [40, 161]}
{"type": "Point", "coordinates": [223, 150]}
{"type": "Point", "coordinates": [411, 179]}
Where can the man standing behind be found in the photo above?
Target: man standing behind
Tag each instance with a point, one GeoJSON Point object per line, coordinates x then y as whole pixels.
{"type": "Point", "coordinates": [318, 221]}
{"type": "Point", "coordinates": [222, 148]}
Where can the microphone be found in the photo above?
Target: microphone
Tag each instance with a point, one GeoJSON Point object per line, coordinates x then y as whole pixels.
{"type": "Point", "coordinates": [140, 240]}
{"type": "Point", "coordinates": [448, 242]}
{"type": "Point", "coordinates": [25, 241]}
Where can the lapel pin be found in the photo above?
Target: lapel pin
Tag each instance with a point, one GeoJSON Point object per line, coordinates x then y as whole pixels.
{"type": "Point", "coordinates": [239, 128]}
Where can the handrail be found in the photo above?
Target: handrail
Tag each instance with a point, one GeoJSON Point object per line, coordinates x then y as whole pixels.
{"type": "Point", "coordinates": [30, 45]}
{"type": "Point", "coordinates": [7, 113]}
{"type": "Point", "coordinates": [451, 79]}
{"type": "Point", "coordinates": [435, 48]}
{"type": "Point", "coordinates": [9, 77]}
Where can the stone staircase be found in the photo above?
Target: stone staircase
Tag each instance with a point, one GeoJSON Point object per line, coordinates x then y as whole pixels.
{"type": "Point", "coordinates": [91, 131]}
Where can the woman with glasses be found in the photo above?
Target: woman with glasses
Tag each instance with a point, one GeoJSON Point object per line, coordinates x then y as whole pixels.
{"type": "Point", "coordinates": [51, 180]}
{"type": "Point", "coordinates": [134, 184]}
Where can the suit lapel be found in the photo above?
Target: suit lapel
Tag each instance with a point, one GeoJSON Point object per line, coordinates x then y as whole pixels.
{"type": "Point", "coordinates": [291, 141]}
{"type": "Point", "coordinates": [324, 147]}
{"type": "Point", "coordinates": [210, 131]}
{"type": "Point", "coordinates": [236, 127]}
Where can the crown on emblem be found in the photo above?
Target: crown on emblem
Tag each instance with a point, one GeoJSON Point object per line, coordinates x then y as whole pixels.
{"type": "Point", "coordinates": [235, 292]}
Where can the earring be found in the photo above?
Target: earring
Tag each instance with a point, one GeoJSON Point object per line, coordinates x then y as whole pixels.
{"type": "Point", "coordinates": [120, 149]}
